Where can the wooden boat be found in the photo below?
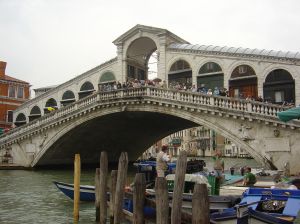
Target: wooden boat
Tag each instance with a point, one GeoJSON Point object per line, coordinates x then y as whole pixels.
{"type": "Point", "coordinates": [87, 193]}
{"type": "Point", "coordinates": [260, 205]}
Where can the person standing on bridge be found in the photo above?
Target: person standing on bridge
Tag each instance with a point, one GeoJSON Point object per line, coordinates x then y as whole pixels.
{"type": "Point", "coordinates": [161, 161]}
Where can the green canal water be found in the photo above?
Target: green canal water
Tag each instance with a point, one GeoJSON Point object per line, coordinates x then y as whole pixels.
{"type": "Point", "coordinates": [31, 197]}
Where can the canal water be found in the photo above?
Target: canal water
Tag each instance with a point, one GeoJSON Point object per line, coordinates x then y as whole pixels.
{"type": "Point", "coordinates": [31, 197]}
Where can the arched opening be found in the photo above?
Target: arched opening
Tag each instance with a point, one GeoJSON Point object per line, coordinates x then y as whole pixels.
{"type": "Point", "coordinates": [210, 76]}
{"type": "Point", "coordinates": [67, 98]}
{"type": "Point", "coordinates": [180, 75]}
{"type": "Point", "coordinates": [137, 58]}
{"type": "Point", "coordinates": [86, 89]}
{"type": "Point", "coordinates": [243, 82]}
{"type": "Point", "coordinates": [106, 81]}
{"type": "Point", "coordinates": [279, 87]}
{"type": "Point", "coordinates": [20, 120]}
{"type": "Point", "coordinates": [50, 105]}
{"type": "Point", "coordinates": [35, 113]}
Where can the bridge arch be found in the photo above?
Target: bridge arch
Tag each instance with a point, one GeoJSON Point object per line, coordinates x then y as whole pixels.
{"type": "Point", "coordinates": [165, 123]}
{"type": "Point", "coordinates": [50, 103]}
{"type": "Point", "coordinates": [210, 74]}
{"type": "Point", "coordinates": [67, 98]}
{"type": "Point", "coordinates": [180, 72]}
{"type": "Point", "coordinates": [137, 57]}
{"type": "Point", "coordinates": [243, 82]}
{"type": "Point", "coordinates": [279, 87]}
{"type": "Point", "coordinates": [35, 113]}
{"type": "Point", "coordinates": [20, 120]}
{"type": "Point", "coordinates": [106, 78]}
{"type": "Point", "coordinates": [86, 89]}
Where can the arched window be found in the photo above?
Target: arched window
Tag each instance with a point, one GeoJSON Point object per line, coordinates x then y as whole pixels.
{"type": "Point", "coordinates": [243, 82]}
{"type": "Point", "coordinates": [106, 81]}
{"type": "Point", "coordinates": [180, 75]}
{"type": "Point", "coordinates": [67, 98]}
{"type": "Point", "coordinates": [51, 105]}
{"type": "Point", "coordinates": [279, 87]}
{"type": "Point", "coordinates": [210, 76]}
{"type": "Point", "coordinates": [86, 89]}
{"type": "Point", "coordinates": [35, 113]}
{"type": "Point", "coordinates": [20, 119]}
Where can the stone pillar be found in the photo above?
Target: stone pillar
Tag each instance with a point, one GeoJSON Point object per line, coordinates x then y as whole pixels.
{"type": "Point", "coordinates": [161, 60]}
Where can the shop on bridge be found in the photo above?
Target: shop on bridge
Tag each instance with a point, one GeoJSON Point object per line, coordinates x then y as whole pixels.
{"type": "Point", "coordinates": [180, 75]}
{"type": "Point", "coordinates": [86, 89]}
{"type": "Point", "coordinates": [243, 82]}
{"type": "Point", "coordinates": [67, 98]}
{"type": "Point", "coordinates": [106, 81]}
{"type": "Point", "coordinates": [210, 76]}
{"type": "Point", "coordinates": [35, 113]}
{"type": "Point", "coordinates": [279, 87]}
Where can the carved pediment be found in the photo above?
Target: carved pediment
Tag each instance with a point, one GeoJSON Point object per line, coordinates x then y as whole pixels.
{"type": "Point", "coordinates": [169, 36]}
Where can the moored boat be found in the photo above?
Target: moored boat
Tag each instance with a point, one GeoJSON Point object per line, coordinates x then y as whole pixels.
{"type": "Point", "coordinates": [260, 205]}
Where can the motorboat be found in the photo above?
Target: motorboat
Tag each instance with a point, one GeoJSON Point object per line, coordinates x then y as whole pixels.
{"type": "Point", "coordinates": [262, 205]}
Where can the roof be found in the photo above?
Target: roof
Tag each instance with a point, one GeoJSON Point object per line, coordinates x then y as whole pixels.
{"type": "Point", "coordinates": [9, 78]}
{"type": "Point", "coordinates": [138, 28]}
{"type": "Point", "coordinates": [45, 88]}
{"type": "Point", "coordinates": [288, 55]}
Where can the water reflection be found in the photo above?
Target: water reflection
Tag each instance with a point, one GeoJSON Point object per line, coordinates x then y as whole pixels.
{"type": "Point", "coordinates": [31, 197]}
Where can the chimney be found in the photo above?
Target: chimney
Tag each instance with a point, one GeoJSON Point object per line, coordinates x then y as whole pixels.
{"type": "Point", "coordinates": [2, 69]}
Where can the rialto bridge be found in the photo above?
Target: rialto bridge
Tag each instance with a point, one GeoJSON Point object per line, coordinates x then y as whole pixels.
{"type": "Point", "coordinates": [89, 120]}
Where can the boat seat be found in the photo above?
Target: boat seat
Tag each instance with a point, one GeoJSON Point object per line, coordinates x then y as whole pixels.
{"type": "Point", "coordinates": [290, 206]}
{"type": "Point", "coordinates": [251, 199]}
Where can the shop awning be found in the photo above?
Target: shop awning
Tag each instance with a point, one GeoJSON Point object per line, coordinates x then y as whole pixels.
{"type": "Point", "coordinates": [287, 115]}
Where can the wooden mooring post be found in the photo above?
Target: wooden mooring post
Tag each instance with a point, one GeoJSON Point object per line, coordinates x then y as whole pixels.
{"type": "Point", "coordinates": [121, 180]}
{"type": "Point", "coordinates": [113, 184]}
{"type": "Point", "coordinates": [97, 194]}
{"type": "Point", "coordinates": [139, 189]}
{"type": "Point", "coordinates": [178, 188]}
{"type": "Point", "coordinates": [77, 167]}
{"type": "Point", "coordinates": [200, 205]}
{"type": "Point", "coordinates": [162, 200]}
{"type": "Point", "coordinates": [103, 187]}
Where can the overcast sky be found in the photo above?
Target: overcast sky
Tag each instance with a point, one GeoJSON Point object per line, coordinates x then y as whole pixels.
{"type": "Point", "coordinates": [47, 42]}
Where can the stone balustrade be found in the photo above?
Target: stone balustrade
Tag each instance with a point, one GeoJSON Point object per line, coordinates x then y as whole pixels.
{"type": "Point", "coordinates": [260, 110]}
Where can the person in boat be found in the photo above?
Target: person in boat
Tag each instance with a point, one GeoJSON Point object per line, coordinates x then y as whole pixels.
{"type": "Point", "coordinates": [249, 178]}
{"type": "Point", "coordinates": [161, 161]}
{"type": "Point", "coordinates": [218, 165]}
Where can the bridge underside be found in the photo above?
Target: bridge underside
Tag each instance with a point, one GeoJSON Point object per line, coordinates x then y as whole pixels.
{"type": "Point", "coordinates": [132, 132]}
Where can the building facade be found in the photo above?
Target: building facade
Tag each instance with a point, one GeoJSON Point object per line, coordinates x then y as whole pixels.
{"type": "Point", "coordinates": [13, 92]}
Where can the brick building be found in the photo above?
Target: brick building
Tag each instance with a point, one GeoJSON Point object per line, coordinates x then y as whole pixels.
{"type": "Point", "coordinates": [13, 92]}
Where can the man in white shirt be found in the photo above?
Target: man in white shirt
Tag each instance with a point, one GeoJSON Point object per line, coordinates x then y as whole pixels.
{"type": "Point", "coordinates": [161, 161]}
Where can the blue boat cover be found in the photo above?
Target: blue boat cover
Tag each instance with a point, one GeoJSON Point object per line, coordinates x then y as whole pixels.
{"type": "Point", "coordinates": [292, 207]}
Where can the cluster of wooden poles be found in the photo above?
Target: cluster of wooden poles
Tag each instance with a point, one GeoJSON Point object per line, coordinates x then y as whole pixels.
{"type": "Point", "coordinates": [165, 212]}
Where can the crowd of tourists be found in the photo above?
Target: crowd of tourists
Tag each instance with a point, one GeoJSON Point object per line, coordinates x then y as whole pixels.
{"type": "Point", "coordinates": [216, 91]}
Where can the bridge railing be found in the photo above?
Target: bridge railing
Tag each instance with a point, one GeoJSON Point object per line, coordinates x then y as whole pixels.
{"type": "Point", "coordinates": [233, 104]}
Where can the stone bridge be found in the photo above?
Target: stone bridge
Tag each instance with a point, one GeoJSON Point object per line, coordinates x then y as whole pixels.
{"type": "Point", "coordinates": [133, 119]}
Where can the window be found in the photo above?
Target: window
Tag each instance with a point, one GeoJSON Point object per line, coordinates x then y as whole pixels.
{"type": "Point", "coordinates": [242, 69]}
{"type": "Point", "coordinates": [279, 96]}
{"type": "Point", "coordinates": [11, 91]}
{"type": "Point", "coordinates": [236, 93]}
{"type": "Point", "coordinates": [9, 116]}
{"type": "Point", "coordinates": [20, 93]}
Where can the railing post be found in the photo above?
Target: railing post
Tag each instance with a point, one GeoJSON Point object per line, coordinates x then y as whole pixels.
{"type": "Point", "coordinates": [249, 106]}
{"type": "Point", "coordinates": [212, 100]}
{"type": "Point", "coordinates": [148, 91]}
